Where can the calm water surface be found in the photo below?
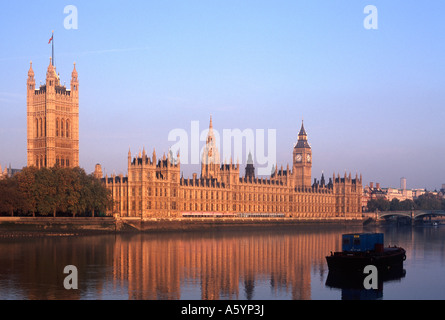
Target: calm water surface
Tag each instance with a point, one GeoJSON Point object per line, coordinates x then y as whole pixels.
{"type": "Point", "coordinates": [268, 265]}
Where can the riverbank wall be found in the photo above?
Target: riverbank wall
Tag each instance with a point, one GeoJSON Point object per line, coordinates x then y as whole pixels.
{"type": "Point", "coordinates": [59, 226]}
{"type": "Point", "coordinates": [51, 226]}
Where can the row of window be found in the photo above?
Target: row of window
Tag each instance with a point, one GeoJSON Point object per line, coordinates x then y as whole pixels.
{"type": "Point", "coordinates": [62, 128]}
{"type": "Point", "coordinates": [159, 205]}
{"type": "Point", "coordinates": [210, 195]}
{"type": "Point", "coordinates": [41, 162]}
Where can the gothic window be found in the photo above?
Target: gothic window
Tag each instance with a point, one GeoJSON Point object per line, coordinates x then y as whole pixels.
{"type": "Point", "coordinates": [67, 162]}
{"type": "Point", "coordinates": [41, 127]}
{"type": "Point", "coordinates": [57, 127]}
{"type": "Point", "coordinates": [62, 162]}
{"type": "Point", "coordinates": [61, 128]}
{"type": "Point", "coordinates": [37, 129]}
{"type": "Point", "coordinates": [67, 128]}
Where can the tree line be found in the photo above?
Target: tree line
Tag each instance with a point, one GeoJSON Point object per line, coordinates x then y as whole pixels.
{"type": "Point", "coordinates": [53, 191]}
{"type": "Point", "coordinates": [427, 201]}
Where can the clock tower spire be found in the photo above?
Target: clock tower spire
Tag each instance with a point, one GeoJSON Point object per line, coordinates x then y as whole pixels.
{"type": "Point", "coordinates": [302, 160]}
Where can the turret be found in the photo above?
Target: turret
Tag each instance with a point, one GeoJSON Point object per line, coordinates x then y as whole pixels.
{"type": "Point", "coordinates": [31, 81]}
{"type": "Point", "coordinates": [154, 156]}
{"type": "Point", "coordinates": [74, 81]}
{"type": "Point", "coordinates": [98, 171]}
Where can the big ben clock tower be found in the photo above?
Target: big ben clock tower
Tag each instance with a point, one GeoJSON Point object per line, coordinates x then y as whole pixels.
{"type": "Point", "coordinates": [302, 160]}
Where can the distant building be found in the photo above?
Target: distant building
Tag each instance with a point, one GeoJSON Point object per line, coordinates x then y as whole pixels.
{"type": "Point", "coordinates": [8, 172]}
{"type": "Point", "coordinates": [3, 174]}
{"type": "Point", "coordinates": [371, 192]}
{"type": "Point", "coordinates": [403, 183]}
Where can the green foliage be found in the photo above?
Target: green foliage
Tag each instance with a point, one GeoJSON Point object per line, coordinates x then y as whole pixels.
{"type": "Point", "coordinates": [9, 196]}
{"type": "Point", "coordinates": [427, 201]}
{"type": "Point", "coordinates": [380, 204]}
{"type": "Point", "coordinates": [50, 191]}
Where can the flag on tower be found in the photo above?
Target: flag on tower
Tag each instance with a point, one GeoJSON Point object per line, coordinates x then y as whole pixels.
{"type": "Point", "coordinates": [51, 40]}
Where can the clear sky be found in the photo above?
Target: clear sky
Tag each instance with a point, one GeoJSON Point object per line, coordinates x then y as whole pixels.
{"type": "Point", "coordinates": [373, 101]}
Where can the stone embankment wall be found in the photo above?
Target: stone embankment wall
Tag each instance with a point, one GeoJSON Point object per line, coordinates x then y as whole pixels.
{"type": "Point", "coordinates": [21, 226]}
{"type": "Point", "coordinates": [10, 227]}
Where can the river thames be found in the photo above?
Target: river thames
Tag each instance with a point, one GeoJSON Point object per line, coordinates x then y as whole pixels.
{"type": "Point", "coordinates": [282, 264]}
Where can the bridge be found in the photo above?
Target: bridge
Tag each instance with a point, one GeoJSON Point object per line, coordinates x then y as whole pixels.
{"type": "Point", "coordinates": [414, 215]}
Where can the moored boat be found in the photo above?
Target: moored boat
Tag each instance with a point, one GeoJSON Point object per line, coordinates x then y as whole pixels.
{"type": "Point", "coordinates": [362, 249]}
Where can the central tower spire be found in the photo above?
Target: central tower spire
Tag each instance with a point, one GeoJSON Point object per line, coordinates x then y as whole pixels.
{"type": "Point", "coordinates": [210, 160]}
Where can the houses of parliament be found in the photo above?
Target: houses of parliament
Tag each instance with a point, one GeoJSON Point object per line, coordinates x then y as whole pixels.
{"type": "Point", "coordinates": [154, 187]}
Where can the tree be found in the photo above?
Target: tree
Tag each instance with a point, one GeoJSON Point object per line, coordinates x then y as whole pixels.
{"type": "Point", "coordinates": [428, 201]}
{"type": "Point", "coordinates": [407, 205]}
{"type": "Point", "coordinates": [9, 196]}
{"type": "Point", "coordinates": [100, 196]}
{"type": "Point", "coordinates": [394, 205]}
{"type": "Point", "coordinates": [27, 188]}
{"type": "Point", "coordinates": [46, 192]}
{"type": "Point", "coordinates": [380, 204]}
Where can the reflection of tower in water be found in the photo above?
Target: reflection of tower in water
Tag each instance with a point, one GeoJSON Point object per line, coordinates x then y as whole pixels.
{"type": "Point", "coordinates": [155, 267]}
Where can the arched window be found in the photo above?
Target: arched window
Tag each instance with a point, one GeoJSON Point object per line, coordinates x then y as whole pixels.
{"type": "Point", "coordinates": [37, 130]}
{"type": "Point", "coordinates": [67, 128]}
{"type": "Point", "coordinates": [57, 127]}
{"type": "Point", "coordinates": [41, 127]}
{"type": "Point", "coordinates": [61, 128]}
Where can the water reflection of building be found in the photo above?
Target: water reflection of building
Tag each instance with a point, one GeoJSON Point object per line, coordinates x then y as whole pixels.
{"type": "Point", "coordinates": [160, 269]}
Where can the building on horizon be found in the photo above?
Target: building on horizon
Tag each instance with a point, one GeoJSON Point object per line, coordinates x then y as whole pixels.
{"type": "Point", "coordinates": [8, 172]}
{"type": "Point", "coordinates": [375, 192]}
{"type": "Point", "coordinates": [52, 121]}
{"type": "Point", "coordinates": [403, 183]}
{"type": "Point", "coordinates": [154, 188]}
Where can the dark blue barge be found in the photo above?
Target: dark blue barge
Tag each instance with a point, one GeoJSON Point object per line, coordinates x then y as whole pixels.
{"type": "Point", "coordinates": [362, 249]}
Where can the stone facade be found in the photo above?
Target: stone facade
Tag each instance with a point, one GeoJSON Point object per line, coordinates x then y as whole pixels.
{"type": "Point", "coordinates": [53, 121]}
{"type": "Point", "coordinates": [154, 188]}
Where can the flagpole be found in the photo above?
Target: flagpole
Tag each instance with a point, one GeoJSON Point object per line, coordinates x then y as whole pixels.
{"type": "Point", "coordinates": [52, 42]}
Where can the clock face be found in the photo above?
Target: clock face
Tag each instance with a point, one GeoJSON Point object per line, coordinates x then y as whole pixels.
{"type": "Point", "coordinates": [308, 157]}
{"type": "Point", "coordinates": [298, 158]}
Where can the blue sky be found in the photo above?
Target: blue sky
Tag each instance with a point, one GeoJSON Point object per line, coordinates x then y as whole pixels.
{"type": "Point", "coordinates": [372, 100]}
